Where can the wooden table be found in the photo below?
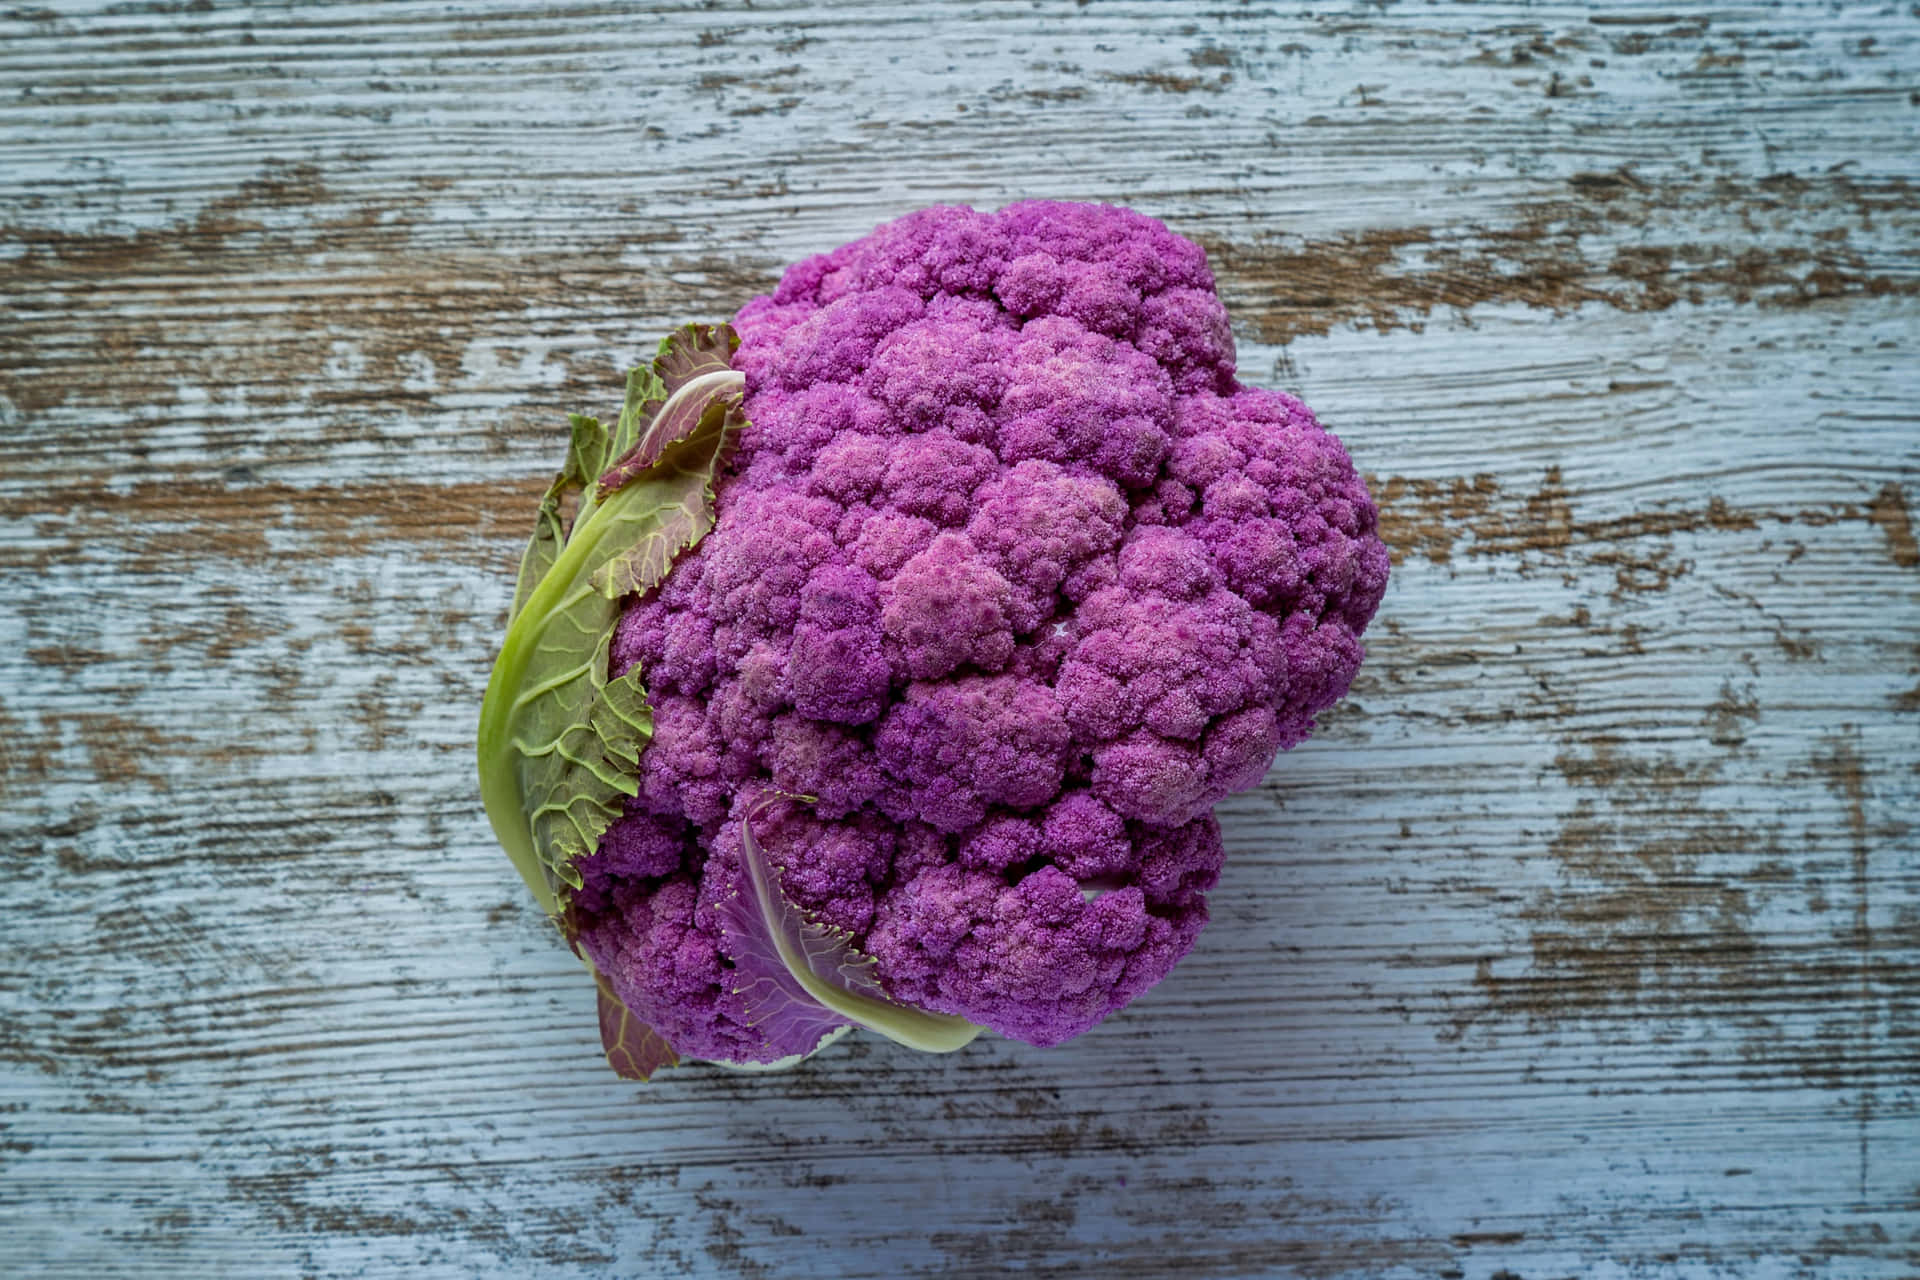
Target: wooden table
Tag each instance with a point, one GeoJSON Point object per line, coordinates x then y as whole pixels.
{"type": "Point", "coordinates": [1584, 939]}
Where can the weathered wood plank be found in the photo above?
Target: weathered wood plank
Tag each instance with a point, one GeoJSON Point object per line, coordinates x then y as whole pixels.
{"type": "Point", "coordinates": [1583, 940]}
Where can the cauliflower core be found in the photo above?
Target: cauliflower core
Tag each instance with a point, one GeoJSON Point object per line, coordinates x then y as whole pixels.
{"type": "Point", "coordinates": [1014, 577]}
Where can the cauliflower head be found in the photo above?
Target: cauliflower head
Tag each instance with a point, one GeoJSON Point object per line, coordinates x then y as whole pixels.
{"type": "Point", "coordinates": [1013, 580]}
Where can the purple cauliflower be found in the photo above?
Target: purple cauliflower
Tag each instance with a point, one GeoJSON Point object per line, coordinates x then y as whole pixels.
{"type": "Point", "coordinates": [1013, 579]}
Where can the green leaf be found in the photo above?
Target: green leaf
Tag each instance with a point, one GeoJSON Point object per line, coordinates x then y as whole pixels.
{"type": "Point", "coordinates": [587, 455]}
{"type": "Point", "coordinates": [576, 779]}
{"type": "Point", "coordinates": [586, 448]}
{"type": "Point", "coordinates": [559, 740]}
{"type": "Point", "coordinates": [549, 534]}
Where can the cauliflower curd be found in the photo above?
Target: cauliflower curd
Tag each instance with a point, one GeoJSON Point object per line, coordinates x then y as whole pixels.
{"type": "Point", "coordinates": [1014, 581]}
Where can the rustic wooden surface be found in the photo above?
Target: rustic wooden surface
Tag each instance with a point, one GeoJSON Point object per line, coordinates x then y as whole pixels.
{"type": "Point", "coordinates": [1584, 940]}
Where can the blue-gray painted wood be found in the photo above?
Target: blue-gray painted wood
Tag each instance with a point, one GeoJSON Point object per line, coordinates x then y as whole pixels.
{"type": "Point", "coordinates": [1584, 940]}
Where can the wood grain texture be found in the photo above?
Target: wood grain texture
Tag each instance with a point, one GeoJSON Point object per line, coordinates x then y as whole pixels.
{"type": "Point", "coordinates": [1584, 939]}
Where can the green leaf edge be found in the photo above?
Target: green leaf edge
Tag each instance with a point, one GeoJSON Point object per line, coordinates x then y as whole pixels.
{"type": "Point", "coordinates": [568, 582]}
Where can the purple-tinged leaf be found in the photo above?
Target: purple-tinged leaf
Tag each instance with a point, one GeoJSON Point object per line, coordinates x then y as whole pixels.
{"type": "Point", "coordinates": [634, 1049]}
{"type": "Point", "coordinates": [691, 372]}
{"type": "Point", "coordinates": [692, 351]}
{"type": "Point", "coordinates": [802, 979]}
